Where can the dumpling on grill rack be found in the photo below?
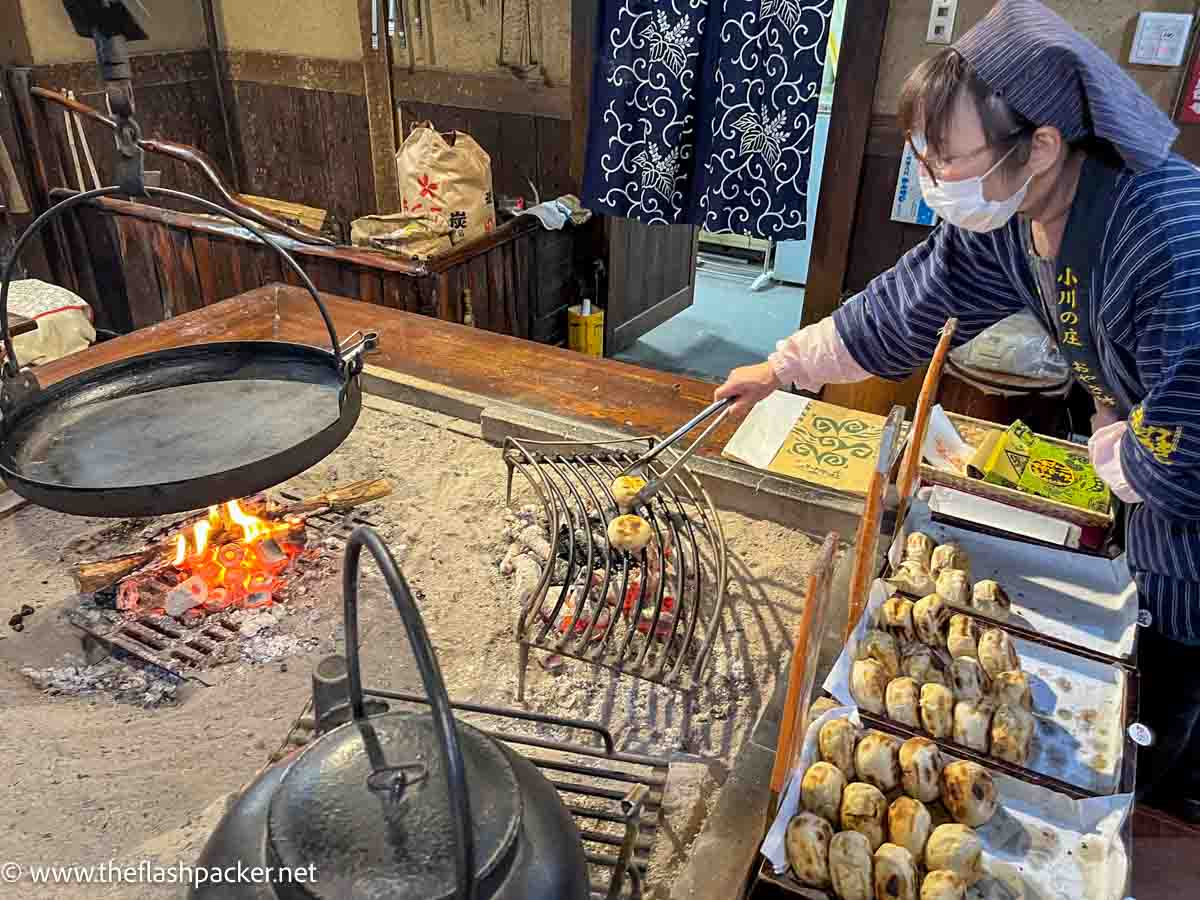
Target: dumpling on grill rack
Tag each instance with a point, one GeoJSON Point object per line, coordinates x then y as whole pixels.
{"type": "Point", "coordinates": [629, 533]}
{"type": "Point", "coordinates": [963, 637]}
{"type": "Point", "coordinates": [973, 723]}
{"type": "Point", "coordinates": [1012, 734]}
{"type": "Point", "coordinates": [625, 490]}
{"type": "Point", "coordinates": [868, 684]}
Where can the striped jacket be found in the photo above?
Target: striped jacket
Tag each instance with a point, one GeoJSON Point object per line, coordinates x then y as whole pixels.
{"type": "Point", "coordinates": [1145, 313]}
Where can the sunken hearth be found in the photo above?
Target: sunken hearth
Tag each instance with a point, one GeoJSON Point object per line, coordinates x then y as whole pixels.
{"type": "Point", "coordinates": [206, 591]}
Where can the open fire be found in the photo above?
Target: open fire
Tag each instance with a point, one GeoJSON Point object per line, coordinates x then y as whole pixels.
{"type": "Point", "coordinates": [232, 559]}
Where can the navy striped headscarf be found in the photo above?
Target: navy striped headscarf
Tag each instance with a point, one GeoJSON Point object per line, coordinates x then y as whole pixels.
{"type": "Point", "coordinates": [1053, 75]}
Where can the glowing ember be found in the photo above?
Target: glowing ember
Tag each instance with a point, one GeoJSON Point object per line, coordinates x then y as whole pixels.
{"type": "Point", "coordinates": [231, 559]}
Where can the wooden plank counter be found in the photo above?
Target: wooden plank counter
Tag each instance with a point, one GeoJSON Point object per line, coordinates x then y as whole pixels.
{"type": "Point", "coordinates": [547, 379]}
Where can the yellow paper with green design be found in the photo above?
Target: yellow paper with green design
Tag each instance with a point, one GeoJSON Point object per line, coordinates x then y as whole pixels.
{"type": "Point", "coordinates": [832, 447]}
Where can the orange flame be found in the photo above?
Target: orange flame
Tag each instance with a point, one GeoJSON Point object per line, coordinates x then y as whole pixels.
{"type": "Point", "coordinates": [180, 549]}
{"type": "Point", "coordinates": [201, 531]}
{"type": "Point", "coordinates": [214, 517]}
{"type": "Point", "coordinates": [252, 527]}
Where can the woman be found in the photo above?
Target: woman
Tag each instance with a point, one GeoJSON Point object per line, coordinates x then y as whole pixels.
{"type": "Point", "coordinates": [1053, 173]}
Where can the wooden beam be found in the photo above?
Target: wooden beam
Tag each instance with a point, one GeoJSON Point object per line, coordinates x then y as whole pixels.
{"type": "Point", "coordinates": [584, 14]}
{"type": "Point", "coordinates": [308, 73]}
{"type": "Point", "coordinates": [850, 124]}
{"type": "Point", "coordinates": [491, 93]}
{"type": "Point", "coordinates": [381, 116]}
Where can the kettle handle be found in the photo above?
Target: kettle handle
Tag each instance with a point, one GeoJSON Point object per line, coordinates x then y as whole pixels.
{"type": "Point", "coordinates": [431, 676]}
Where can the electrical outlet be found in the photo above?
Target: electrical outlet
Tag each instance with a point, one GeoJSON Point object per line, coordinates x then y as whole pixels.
{"type": "Point", "coordinates": [941, 21]}
{"type": "Point", "coordinates": [1161, 39]}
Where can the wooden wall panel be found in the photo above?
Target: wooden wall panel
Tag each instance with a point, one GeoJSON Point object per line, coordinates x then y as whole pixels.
{"type": "Point", "coordinates": [176, 96]}
{"type": "Point", "coordinates": [305, 146]}
{"type": "Point", "coordinates": [522, 148]}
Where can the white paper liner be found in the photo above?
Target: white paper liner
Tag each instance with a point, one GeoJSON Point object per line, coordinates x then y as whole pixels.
{"type": "Point", "coordinates": [1088, 601]}
{"type": "Point", "coordinates": [758, 439]}
{"type": "Point", "coordinates": [1047, 845]}
{"type": "Point", "coordinates": [1078, 704]}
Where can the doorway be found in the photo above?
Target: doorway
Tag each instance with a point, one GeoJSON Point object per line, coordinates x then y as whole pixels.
{"type": "Point", "coordinates": [747, 293]}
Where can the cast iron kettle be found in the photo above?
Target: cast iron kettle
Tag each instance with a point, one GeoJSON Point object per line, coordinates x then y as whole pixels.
{"type": "Point", "coordinates": [402, 805]}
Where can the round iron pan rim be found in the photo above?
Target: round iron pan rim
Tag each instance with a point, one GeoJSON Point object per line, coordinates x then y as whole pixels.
{"type": "Point", "coordinates": [164, 498]}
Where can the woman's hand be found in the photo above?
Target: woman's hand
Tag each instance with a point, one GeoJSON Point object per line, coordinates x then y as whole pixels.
{"type": "Point", "coordinates": [749, 384]}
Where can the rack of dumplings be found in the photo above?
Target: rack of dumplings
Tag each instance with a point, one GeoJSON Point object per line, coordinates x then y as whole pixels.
{"type": "Point", "coordinates": [947, 650]}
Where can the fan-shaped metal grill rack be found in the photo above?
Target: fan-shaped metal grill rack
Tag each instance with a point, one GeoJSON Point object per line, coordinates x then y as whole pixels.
{"type": "Point", "coordinates": [604, 611]}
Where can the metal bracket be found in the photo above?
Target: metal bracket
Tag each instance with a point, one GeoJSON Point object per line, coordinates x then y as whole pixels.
{"type": "Point", "coordinates": [17, 390]}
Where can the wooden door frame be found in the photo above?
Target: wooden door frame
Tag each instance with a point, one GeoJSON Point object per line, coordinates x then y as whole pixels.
{"type": "Point", "coordinates": [849, 128]}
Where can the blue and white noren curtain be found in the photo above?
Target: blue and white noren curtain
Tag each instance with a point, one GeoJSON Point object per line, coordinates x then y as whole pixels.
{"type": "Point", "coordinates": [703, 112]}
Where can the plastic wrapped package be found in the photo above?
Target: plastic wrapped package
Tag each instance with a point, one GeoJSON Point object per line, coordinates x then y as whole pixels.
{"type": "Point", "coordinates": [1018, 345]}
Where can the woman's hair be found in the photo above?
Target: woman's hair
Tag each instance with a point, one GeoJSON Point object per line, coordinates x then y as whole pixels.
{"type": "Point", "coordinates": [927, 105]}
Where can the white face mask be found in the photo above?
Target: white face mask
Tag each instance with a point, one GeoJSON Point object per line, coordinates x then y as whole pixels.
{"type": "Point", "coordinates": [962, 203]}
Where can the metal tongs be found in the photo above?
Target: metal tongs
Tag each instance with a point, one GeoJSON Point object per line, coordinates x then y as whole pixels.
{"type": "Point", "coordinates": [720, 409]}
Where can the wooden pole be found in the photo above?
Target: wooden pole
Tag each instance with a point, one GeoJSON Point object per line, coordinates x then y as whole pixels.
{"type": "Point", "coordinates": [801, 670]}
{"type": "Point", "coordinates": [906, 482]}
{"type": "Point", "coordinates": [867, 539]}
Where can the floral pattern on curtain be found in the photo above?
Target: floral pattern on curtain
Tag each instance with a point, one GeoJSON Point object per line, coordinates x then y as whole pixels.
{"type": "Point", "coordinates": [703, 112]}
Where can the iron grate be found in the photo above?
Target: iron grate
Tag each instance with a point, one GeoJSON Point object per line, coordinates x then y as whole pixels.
{"type": "Point", "coordinates": [648, 632]}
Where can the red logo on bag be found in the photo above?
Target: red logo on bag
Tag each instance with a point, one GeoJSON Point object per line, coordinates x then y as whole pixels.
{"type": "Point", "coordinates": [427, 187]}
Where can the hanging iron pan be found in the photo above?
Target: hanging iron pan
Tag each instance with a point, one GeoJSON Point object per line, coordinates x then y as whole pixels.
{"type": "Point", "coordinates": [178, 429]}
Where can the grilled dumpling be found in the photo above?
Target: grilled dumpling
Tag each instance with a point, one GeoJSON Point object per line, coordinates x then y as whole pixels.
{"type": "Point", "coordinates": [991, 600]}
{"type": "Point", "coordinates": [903, 701]}
{"type": "Point", "coordinates": [877, 761]}
{"type": "Point", "coordinates": [920, 769]}
{"type": "Point", "coordinates": [881, 647]}
{"type": "Point", "coordinates": [973, 724]}
{"type": "Point", "coordinates": [625, 489]}
{"type": "Point", "coordinates": [969, 680]}
{"type": "Point", "coordinates": [913, 578]}
{"type": "Point", "coordinates": [931, 617]}
{"type": "Point", "coordinates": [895, 874]}
{"type": "Point", "coordinates": [937, 710]}
{"type": "Point", "coordinates": [630, 533]}
{"type": "Point", "coordinates": [909, 826]}
{"type": "Point", "coordinates": [864, 809]}
{"type": "Point", "coordinates": [957, 849]}
{"type": "Point", "coordinates": [943, 885]}
{"type": "Point", "coordinates": [922, 665]}
{"type": "Point", "coordinates": [807, 843]}
{"type": "Point", "coordinates": [1012, 689]}
{"type": "Point", "coordinates": [969, 794]}
{"type": "Point", "coordinates": [919, 547]}
{"type": "Point", "coordinates": [896, 618]}
{"type": "Point", "coordinates": [851, 866]}
{"type": "Point", "coordinates": [1012, 734]}
{"type": "Point", "coordinates": [821, 706]}
{"type": "Point", "coordinates": [868, 683]}
{"type": "Point", "coordinates": [963, 637]}
{"type": "Point", "coordinates": [836, 741]}
{"type": "Point", "coordinates": [997, 653]}
{"type": "Point", "coordinates": [954, 587]}
{"type": "Point", "coordinates": [821, 791]}
{"type": "Point", "coordinates": [949, 556]}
